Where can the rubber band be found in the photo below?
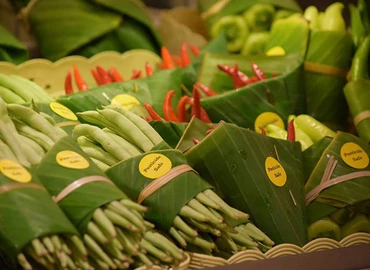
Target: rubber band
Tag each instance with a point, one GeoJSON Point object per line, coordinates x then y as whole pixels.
{"type": "Point", "coordinates": [214, 9]}
{"type": "Point", "coordinates": [361, 116]}
{"type": "Point", "coordinates": [325, 69]}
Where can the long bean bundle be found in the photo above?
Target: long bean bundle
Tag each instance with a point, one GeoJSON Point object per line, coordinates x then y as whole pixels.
{"type": "Point", "coordinates": [112, 229]}
{"type": "Point", "coordinates": [126, 138]}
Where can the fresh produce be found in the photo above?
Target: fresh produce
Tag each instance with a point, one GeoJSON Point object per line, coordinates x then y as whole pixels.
{"type": "Point", "coordinates": [11, 49]}
{"type": "Point", "coordinates": [201, 216]}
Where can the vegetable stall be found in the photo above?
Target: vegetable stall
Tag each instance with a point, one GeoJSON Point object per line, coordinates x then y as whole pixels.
{"type": "Point", "coordinates": [240, 133]}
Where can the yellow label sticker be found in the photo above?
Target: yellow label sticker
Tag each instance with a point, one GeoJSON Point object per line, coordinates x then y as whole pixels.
{"type": "Point", "coordinates": [125, 100]}
{"type": "Point", "coordinates": [276, 51]}
{"type": "Point", "coordinates": [72, 160]}
{"type": "Point", "coordinates": [14, 171]}
{"type": "Point", "coordinates": [62, 111]}
{"type": "Point", "coordinates": [267, 118]}
{"type": "Point", "coordinates": [275, 172]}
{"type": "Point", "coordinates": [354, 156]}
{"type": "Point", "coordinates": [154, 165]}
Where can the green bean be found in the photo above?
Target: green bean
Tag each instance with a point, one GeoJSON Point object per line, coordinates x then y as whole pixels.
{"type": "Point", "coordinates": [65, 248]}
{"type": "Point", "coordinates": [224, 207]}
{"type": "Point", "coordinates": [206, 201]}
{"type": "Point", "coordinates": [198, 241]}
{"type": "Point", "coordinates": [119, 220]}
{"type": "Point", "coordinates": [243, 240]}
{"type": "Point", "coordinates": [97, 250]}
{"type": "Point", "coordinates": [127, 244]}
{"type": "Point", "coordinates": [48, 118]}
{"type": "Point", "coordinates": [182, 226]}
{"type": "Point", "coordinates": [225, 242]}
{"type": "Point", "coordinates": [101, 137]}
{"type": "Point", "coordinates": [6, 151]}
{"type": "Point", "coordinates": [95, 151]}
{"type": "Point", "coordinates": [94, 231]}
{"type": "Point", "coordinates": [35, 146]}
{"type": "Point", "coordinates": [155, 251]}
{"type": "Point", "coordinates": [32, 156]}
{"type": "Point", "coordinates": [37, 91]}
{"type": "Point", "coordinates": [186, 211]}
{"type": "Point", "coordinates": [102, 166]}
{"type": "Point", "coordinates": [252, 228]}
{"type": "Point", "coordinates": [93, 117]}
{"type": "Point", "coordinates": [56, 242]}
{"type": "Point", "coordinates": [77, 246]}
{"type": "Point", "coordinates": [126, 127]}
{"type": "Point", "coordinates": [131, 149]}
{"type": "Point", "coordinates": [16, 87]}
{"type": "Point", "coordinates": [250, 233]}
{"type": "Point", "coordinates": [50, 259]}
{"type": "Point", "coordinates": [97, 262]}
{"type": "Point", "coordinates": [114, 252]}
{"type": "Point", "coordinates": [104, 223]}
{"type": "Point", "coordinates": [163, 243]}
{"type": "Point", "coordinates": [199, 225]}
{"type": "Point", "coordinates": [24, 262]}
{"type": "Point", "coordinates": [120, 264]}
{"type": "Point", "coordinates": [133, 205]}
{"type": "Point", "coordinates": [84, 265]}
{"type": "Point", "coordinates": [9, 96]}
{"type": "Point", "coordinates": [36, 121]}
{"type": "Point", "coordinates": [175, 234]}
{"type": "Point", "coordinates": [145, 259]}
{"type": "Point", "coordinates": [48, 244]}
{"type": "Point", "coordinates": [143, 125]}
{"type": "Point", "coordinates": [125, 212]}
{"type": "Point", "coordinates": [200, 208]}
{"type": "Point", "coordinates": [149, 224]}
{"type": "Point", "coordinates": [39, 247]}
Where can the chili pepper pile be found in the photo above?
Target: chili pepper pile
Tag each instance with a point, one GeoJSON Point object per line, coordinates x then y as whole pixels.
{"type": "Point", "coordinates": [171, 61]}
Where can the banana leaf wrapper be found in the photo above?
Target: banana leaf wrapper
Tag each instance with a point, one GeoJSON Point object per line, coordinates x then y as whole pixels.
{"type": "Point", "coordinates": [233, 159]}
{"type": "Point", "coordinates": [347, 156]}
{"type": "Point", "coordinates": [213, 10]}
{"type": "Point", "coordinates": [11, 49]}
{"type": "Point", "coordinates": [150, 90]}
{"type": "Point", "coordinates": [357, 94]}
{"type": "Point", "coordinates": [27, 212]}
{"type": "Point", "coordinates": [87, 27]}
{"type": "Point", "coordinates": [80, 204]}
{"type": "Point", "coordinates": [282, 95]}
{"type": "Point", "coordinates": [164, 203]}
{"type": "Point", "coordinates": [171, 132]}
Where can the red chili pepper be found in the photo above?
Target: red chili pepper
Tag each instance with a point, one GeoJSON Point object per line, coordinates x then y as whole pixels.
{"type": "Point", "coordinates": [162, 65]}
{"type": "Point", "coordinates": [181, 108]}
{"type": "Point", "coordinates": [153, 114]}
{"type": "Point", "coordinates": [81, 85]}
{"type": "Point", "coordinates": [104, 76]}
{"type": "Point", "coordinates": [204, 116]}
{"type": "Point", "coordinates": [68, 88]}
{"type": "Point", "coordinates": [114, 74]}
{"type": "Point", "coordinates": [96, 76]}
{"type": "Point", "coordinates": [148, 118]}
{"type": "Point", "coordinates": [274, 75]}
{"type": "Point", "coordinates": [177, 60]}
{"type": "Point", "coordinates": [167, 60]}
{"type": "Point", "coordinates": [169, 113]}
{"type": "Point", "coordinates": [194, 49]}
{"type": "Point", "coordinates": [195, 109]}
{"type": "Point", "coordinates": [148, 69]}
{"type": "Point", "coordinates": [185, 59]}
{"type": "Point", "coordinates": [263, 131]}
{"type": "Point", "coordinates": [211, 129]}
{"type": "Point", "coordinates": [136, 74]}
{"type": "Point", "coordinates": [195, 141]}
{"type": "Point", "coordinates": [239, 78]}
{"type": "Point", "coordinates": [291, 131]}
{"type": "Point", "coordinates": [236, 78]}
{"type": "Point", "coordinates": [206, 90]}
{"type": "Point", "coordinates": [258, 71]}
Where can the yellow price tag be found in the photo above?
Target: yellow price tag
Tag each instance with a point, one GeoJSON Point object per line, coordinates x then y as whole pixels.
{"type": "Point", "coordinates": [14, 171]}
{"type": "Point", "coordinates": [125, 100]}
{"type": "Point", "coordinates": [72, 160]}
{"type": "Point", "coordinates": [154, 165]}
{"type": "Point", "coordinates": [354, 156]}
{"type": "Point", "coordinates": [62, 111]}
{"type": "Point", "coordinates": [275, 172]}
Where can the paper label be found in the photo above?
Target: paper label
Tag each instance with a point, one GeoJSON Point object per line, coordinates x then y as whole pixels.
{"type": "Point", "coordinates": [276, 51]}
{"type": "Point", "coordinates": [125, 100]}
{"type": "Point", "coordinates": [72, 160]}
{"type": "Point", "coordinates": [62, 111]}
{"type": "Point", "coordinates": [354, 156]}
{"type": "Point", "coordinates": [267, 118]}
{"type": "Point", "coordinates": [14, 171]}
{"type": "Point", "coordinates": [275, 172]}
{"type": "Point", "coordinates": [154, 165]}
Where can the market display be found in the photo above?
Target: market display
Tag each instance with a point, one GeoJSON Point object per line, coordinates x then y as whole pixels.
{"type": "Point", "coordinates": [258, 139]}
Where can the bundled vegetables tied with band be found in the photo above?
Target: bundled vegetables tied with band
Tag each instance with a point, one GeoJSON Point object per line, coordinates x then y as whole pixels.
{"type": "Point", "coordinates": [150, 172]}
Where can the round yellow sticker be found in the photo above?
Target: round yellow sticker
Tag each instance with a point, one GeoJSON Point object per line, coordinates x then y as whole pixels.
{"type": "Point", "coordinates": [354, 156]}
{"type": "Point", "coordinates": [62, 111]}
{"type": "Point", "coordinates": [14, 171]}
{"type": "Point", "coordinates": [276, 51]}
{"type": "Point", "coordinates": [268, 118]}
{"type": "Point", "coordinates": [125, 100]}
{"type": "Point", "coordinates": [275, 172]}
{"type": "Point", "coordinates": [154, 165]}
{"type": "Point", "coordinates": [72, 160]}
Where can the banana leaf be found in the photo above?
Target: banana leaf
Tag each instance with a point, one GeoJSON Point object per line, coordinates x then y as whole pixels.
{"type": "Point", "coordinates": [27, 212]}
{"type": "Point", "coordinates": [282, 95]}
{"type": "Point", "coordinates": [11, 49]}
{"type": "Point", "coordinates": [235, 158]}
{"type": "Point", "coordinates": [150, 90]}
{"type": "Point", "coordinates": [171, 132]}
{"type": "Point", "coordinates": [80, 204]}
{"type": "Point", "coordinates": [347, 156]}
{"type": "Point", "coordinates": [165, 203]}
{"type": "Point", "coordinates": [86, 27]}
{"type": "Point", "coordinates": [211, 13]}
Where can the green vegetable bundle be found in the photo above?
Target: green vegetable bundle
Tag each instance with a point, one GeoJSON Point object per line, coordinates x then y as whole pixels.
{"type": "Point", "coordinates": [282, 94]}
{"type": "Point", "coordinates": [11, 49]}
{"type": "Point", "coordinates": [246, 24]}
{"type": "Point", "coordinates": [337, 191]}
{"type": "Point", "coordinates": [86, 27]}
{"type": "Point", "coordinates": [260, 175]}
{"type": "Point", "coordinates": [139, 162]}
{"type": "Point", "coordinates": [327, 48]}
{"type": "Point", "coordinates": [35, 233]}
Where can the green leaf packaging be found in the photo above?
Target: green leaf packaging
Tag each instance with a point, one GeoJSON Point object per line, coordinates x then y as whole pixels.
{"type": "Point", "coordinates": [150, 172]}
{"type": "Point", "coordinates": [337, 192]}
{"type": "Point", "coordinates": [11, 49]}
{"type": "Point", "coordinates": [279, 96]}
{"type": "Point", "coordinates": [260, 175]}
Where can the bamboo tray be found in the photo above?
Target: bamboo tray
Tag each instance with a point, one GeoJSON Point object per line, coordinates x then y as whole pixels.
{"type": "Point", "coordinates": [51, 75]}
{"type": "Point", "coordinates": [199, 261]}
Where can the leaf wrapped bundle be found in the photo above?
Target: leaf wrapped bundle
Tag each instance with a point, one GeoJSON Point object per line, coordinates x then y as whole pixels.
{"type": "Point", "coordinates": [337, 210]}
{"type": "Point", "coordinates": [87, 27]}
{"type": "Point", "coordinates": [11, 49]}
